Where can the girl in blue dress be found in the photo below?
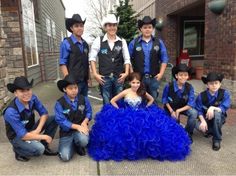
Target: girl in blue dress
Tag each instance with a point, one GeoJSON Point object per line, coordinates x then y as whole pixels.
{"type": "Point", "coordinates": [135, 129]}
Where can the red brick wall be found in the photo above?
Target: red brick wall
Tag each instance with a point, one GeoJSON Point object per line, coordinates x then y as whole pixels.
{"type": "Point", "coordinates": [220, 34]}
{"type": "Point", "coordinates": [170, 32]}
{"type": "Point", "coordinates": [220, 39]}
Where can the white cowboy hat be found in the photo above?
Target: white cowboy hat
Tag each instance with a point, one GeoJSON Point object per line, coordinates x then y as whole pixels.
{"type": "Point", "coordinates": [110, 18]}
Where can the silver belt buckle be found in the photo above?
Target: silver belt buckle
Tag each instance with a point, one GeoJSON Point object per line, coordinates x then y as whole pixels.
{"type": "Point", "coordinates": [147, 76]}
{"type": "Point", "coordinates": [111, 75]}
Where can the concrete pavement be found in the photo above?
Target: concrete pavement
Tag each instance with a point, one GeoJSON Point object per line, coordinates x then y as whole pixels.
{"type": "Point", "coordinates": [202, 161]}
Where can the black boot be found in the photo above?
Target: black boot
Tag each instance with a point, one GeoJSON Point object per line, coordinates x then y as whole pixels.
{"type": "Point", "coordinates": [21, 158]}
{"type": "Point", "coordinates": [81, 151]}
{"type": "Point", "coordinates": [49, 152]}
{"type": "Point", "coordinates": [216, 145]}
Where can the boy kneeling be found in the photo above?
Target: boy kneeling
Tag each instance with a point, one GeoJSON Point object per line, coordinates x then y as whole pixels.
{"type": "Point", "coordinates": [21, 129]}
{"type": "Point", "coordinates": [212, 105]}
{"type": "Point", "coordinates": [73, 112]}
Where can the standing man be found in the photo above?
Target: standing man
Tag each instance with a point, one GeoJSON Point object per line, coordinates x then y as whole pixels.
{"type": "Point", "coordinates": [148, 56]}
{"type": "Point", "coordinates": [74, 53]}
{"type": "Point", "coordinates": [113, 57]}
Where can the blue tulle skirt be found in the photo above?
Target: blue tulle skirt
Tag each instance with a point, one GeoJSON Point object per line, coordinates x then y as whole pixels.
{"type": "Point", "coordinates": [132, 134]}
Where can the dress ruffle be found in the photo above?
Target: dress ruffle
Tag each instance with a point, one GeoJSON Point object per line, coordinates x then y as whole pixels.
{"type": "Point", "coordinates": [137, 133]}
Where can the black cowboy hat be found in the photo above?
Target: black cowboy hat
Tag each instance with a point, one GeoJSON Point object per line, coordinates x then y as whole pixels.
{"type": "Point", "coordinates": [212, 76]}
{"type": "Point", "coordinates": [146, 20]}
{"type": "Point", "coordinates": [69, 79]}
{"type": "Point", "coordinates": [182, 68]}
{"type": "Point", "coordinates": [20, 83]}
{"type": "Point", "coordinates": [76, 18]}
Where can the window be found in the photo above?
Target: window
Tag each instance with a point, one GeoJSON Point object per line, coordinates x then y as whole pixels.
{"type": "Point", "coordinates": [30, 41]}
{"type": "Point", "coordinates": [36, 10]}
{"type": "Point", "coordinates": [193, 37]}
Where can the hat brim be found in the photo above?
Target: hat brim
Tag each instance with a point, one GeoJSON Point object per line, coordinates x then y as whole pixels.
{"type": "Point", "coordinates": [141, 23]}
{"type": "Point", "coordinates": [12, 87]}
{"type": "Point", "coordinates": [61, 84]}
{"type": "Point", "coordinates": [219, 78]}
{"type": "Point", "coordinates": [70, 22]}
{"type": "Point", "coordinates": [175, 71]}
{"type": "Point", "coordinates": [204, 80]}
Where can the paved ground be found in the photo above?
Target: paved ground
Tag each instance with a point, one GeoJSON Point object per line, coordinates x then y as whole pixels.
{"type": "Point", "coordinates": [202, 161]}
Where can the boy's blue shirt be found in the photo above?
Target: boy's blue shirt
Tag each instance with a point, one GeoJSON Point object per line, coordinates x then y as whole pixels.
{"type": "Point", "coordinates": [61, 119]}
{"type": "Point", "coordinates": [65, 49]}
{"type": "Point", "coordinates": [12, 116]}
{"type": "Point", "coordinates": [224, 105]}
{"type": "Point", "coordinates": [191, 97]}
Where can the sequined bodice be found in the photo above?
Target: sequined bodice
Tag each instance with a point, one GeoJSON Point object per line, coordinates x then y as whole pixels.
{"type": "Point", "coordinates": [133, 102]}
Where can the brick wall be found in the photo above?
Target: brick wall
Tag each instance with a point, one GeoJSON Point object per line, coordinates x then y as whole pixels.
{"type": "Point", "coordinates": [11, 56]}
{"type": "Point", "coordinates": [220, 36]}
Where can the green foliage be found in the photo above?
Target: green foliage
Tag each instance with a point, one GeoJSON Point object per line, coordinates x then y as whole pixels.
{"type": "Point", "coordinates": [127, 27]}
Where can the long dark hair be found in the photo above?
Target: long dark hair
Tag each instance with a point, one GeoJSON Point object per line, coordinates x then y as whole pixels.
{"type": "Point", "coordinates": [141, 90]}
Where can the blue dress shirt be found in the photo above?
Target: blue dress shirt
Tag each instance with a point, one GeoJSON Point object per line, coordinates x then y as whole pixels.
{"type": "Point", "coordinates": [191, 97]}
{"type": "Point", "coordinates": [147, 46]}
{"type": "Point", "coordinates": [65, 49]}
{"type": "Point", "coordinates": [12, 116]}
{"type": "Point", "coordinates": [62, 120]}
{"type": "Point", "coordinates": [224, 105]}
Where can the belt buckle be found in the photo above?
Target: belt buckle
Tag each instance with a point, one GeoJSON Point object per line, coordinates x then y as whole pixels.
{"type": "Point", "coordinates": [147, 75]}
{"type": "Point", "coordinates": [111, 75]}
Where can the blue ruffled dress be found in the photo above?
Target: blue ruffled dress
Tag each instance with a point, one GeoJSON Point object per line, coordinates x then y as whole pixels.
{"type": "Point", "coordinates": [135, 132]}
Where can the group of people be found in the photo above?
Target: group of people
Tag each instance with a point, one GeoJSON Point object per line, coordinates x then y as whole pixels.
{"type": "Point", "coordinates": [130, 125]}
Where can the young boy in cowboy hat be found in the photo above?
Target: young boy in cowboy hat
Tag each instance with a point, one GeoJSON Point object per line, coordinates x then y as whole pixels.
{"type": "Point", "coordinates": [178, 97]}
{"type": "Point", "coordinates": [212, 105]}
{"type": "Point", "coordinates": [73, 112]}
{"type": "Point", "coordinates": [22, 131]}
{"type": "Point", "coordinates": [113, 57]}
{"type": "Point", "coordinates": [74, 53]}
{"type": "Point", "coordinates": [148, 56]}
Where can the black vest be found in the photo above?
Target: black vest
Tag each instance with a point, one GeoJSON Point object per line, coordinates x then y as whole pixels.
{"type": "Point", "coordinates": [174, 100]}
{"type": "Point", "coordinates": [29, 120]}
{"type": "Point", "coordinates": [205, 100]}
{"type": "Point", "coordinates": [78, 64]}
{"type": "Point", "coordinates": [110, 61]}
{"type": "Point", "coordinates": [73, 116]}
{"type": "Point", "coordinates": [138, 57]}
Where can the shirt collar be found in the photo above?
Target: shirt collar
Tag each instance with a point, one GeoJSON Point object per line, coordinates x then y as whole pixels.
{"type": "Point", "coordinates": [105, 38]}
{"type": "Point", "coordinates": [74, 39]}
{"type": "Point", "coordinates": [21, 107]}
{"type": "Point", "coordinates": [176, 88]}
{"type": "Point", "coordinates": [68, 100]}
{"type": "Point", "coordinates": [210, 95]}
{"type": "Point", "coordinates": [140, 38]}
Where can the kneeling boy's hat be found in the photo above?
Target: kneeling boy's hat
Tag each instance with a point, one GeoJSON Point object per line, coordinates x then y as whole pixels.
{"type": "Point", "coordinates": [20, 83]}
{"type": "Point", "coordinates": [69, 79]}
{"type": "Point", "coordinates": [181, 68]}
{"type": "Point", "coordinates": [146, 20]}
{"type": "Point", "coordinates": [212, 76]}
{"type": "Point", "coordinates": [76, 18]}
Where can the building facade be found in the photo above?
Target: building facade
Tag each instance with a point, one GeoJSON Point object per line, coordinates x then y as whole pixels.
{"type": "Point", "coordinates": [30, 35]}
{"type": "Point", "coordinates": [144, 7]}
{"type": "Point", "coordinates": [209, 37]}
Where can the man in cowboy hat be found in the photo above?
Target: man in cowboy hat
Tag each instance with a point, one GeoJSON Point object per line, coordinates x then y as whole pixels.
{"type": "Point", "coordinates": [148, 56]}
{"type": "Point", "coordinates": [21, 129]}
{"type": "Point", "coordinates": [113, 57]}
{"type": "Point", "coordinates": [72, 112]}
{"type": "Point", "coordinates": [178, 97]}
{"type": "Point", "coordinates": [212, 105]}
{"type": "Point", "coordinates": [74, 53]}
